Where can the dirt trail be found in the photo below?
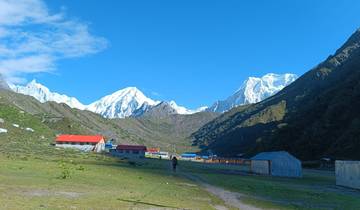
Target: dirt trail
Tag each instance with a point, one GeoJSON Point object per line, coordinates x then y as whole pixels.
{"type": "Point", "coordinates": [231, 199]}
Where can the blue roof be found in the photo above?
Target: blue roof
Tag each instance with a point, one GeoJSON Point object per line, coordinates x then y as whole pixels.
{"type": "Point", "coordinates": [188, 155]}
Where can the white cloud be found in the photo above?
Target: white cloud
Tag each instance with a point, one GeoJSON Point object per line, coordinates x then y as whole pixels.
{"type": "Point", "coordinates": [32, 39]}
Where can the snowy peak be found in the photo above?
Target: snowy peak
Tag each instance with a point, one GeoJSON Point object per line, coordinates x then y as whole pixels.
{"type": "Point", "coordinates": [131, 102]}
{"type": "Point", "coordinates": [164, 109]}
{"type": "Point", "coordinates": [180, 109]}
{"type": "Point", "coordinates": [127, 102]}
{"type": "Point", "coordinates": [254, 90]}
{"type": "Point", "coordinates": [43, 94]}
{"type": "Point", "coordinates": [121, 104]}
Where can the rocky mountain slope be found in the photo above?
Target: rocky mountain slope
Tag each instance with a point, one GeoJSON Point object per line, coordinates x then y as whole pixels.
{"type": "Point", "coordinates": [254, 90]}
{"type": "Point", "coordinates": [317, 115]}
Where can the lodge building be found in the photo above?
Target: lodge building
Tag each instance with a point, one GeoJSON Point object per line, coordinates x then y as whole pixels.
{"type": "Point", "coordinates": [129, 151]}
{"type": "Point", "coordinates": [81, 142]}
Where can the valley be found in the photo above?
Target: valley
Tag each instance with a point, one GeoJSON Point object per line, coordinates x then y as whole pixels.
{"type": "Point", "coordinates": [179, 105]}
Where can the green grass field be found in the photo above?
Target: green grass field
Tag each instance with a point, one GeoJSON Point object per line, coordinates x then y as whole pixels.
{"type": "Point", "coordinates": [66, 179]}
{"type": "Point", "coordinates": [95, 182]}
{"type": "Point", "coordinates": [316, 190]}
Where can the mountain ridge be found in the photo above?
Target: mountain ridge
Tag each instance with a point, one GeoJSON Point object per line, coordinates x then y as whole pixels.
{"type": "Point", "coordinates": [131, 102]}
{"type": "Point", "coordinates": [127, 102]}
{"type": "Point", "coordinates": [315, 116]}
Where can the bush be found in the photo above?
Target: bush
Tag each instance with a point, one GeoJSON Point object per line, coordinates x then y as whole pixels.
{"type": "Point", "coordinates": [65, 172]}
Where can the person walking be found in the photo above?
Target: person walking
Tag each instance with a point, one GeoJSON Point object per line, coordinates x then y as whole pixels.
{"type": "Point", "coordinates": [174, 162]}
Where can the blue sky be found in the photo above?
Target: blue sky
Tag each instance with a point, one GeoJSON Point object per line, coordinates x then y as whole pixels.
{"type": "Point", "coordinates": [193, 52]}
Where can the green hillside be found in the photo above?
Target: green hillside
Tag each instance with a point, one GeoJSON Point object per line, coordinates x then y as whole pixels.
{"type": "Point", "coordinates": [318, 115]}
{"type": "Point", "coordinates": [24, 131]}
{"type": "Point", "coordinates": [170, 132]}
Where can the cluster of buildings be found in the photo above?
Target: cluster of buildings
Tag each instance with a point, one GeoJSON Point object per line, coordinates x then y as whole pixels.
{"type": "Point", "coordinates": [280, 163]}
{"type": "Point", "coordinates": [98, 144]}
{"type": "Point", "coordinates": [156, 153]}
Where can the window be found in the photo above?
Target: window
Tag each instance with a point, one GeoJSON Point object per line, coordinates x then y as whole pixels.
{"type": "Point", "coordinates": [135, 151]}
{"type": "Point", "coordinates": [127, 151]}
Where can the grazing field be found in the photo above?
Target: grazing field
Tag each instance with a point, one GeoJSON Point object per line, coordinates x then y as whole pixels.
{"type": "Point", "coordinates": [95, 182]}
{"type": "Point", "coordinates": [67, 180]}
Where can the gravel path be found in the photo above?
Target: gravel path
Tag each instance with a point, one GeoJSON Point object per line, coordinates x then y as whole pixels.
{"type": "Point", "coordinates": [231, 199]}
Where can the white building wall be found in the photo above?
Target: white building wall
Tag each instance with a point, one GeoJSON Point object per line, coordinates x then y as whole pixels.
{"type": "Point", "coordinates": [85, 148]}
{"type": "Point", "coordinates": [100, 147]}
{"type": "Point", "coordinates": [260, 167]}
{"type": "Point", "coordinates": [348, 173]}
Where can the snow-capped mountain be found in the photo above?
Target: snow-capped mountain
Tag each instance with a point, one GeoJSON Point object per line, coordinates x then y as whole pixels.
{"type": "Point", "coordinates": [180, 109]}
{"type": "Point", "coordinates": [121, 104]}
{"type": "Point", "coordinates": [127, 102]}
{"type": "Point", "coordinates": [254, 90]}
{"type": "Point", "coordinates": [164, 108]}
{"type": "Point", "coordinates": [184, 110]}
{"type": "Point", "coordinates": [131, 102]}
{"type": "Point", "coordinates": [43, 94]}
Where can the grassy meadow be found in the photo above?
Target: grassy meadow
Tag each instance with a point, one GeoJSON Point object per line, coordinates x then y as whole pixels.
{"type": "Point", "coordinates": [95, 182]}
{"type": "Point", "coordinates": [68, 180]}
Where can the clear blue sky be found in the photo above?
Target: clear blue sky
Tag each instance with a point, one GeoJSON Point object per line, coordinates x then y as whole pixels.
{"type": "Point", "coordinates": [196, 52]}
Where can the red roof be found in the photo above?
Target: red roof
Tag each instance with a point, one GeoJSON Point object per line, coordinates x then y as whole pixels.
{"type": "Point", "coordinates": [79, 138]}
{"type": "Point", "coordinates": [130, 147]}
{"type": "Point", "coordinates": [153, 150]}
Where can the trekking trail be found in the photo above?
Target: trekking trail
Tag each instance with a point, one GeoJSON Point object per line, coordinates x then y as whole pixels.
{"type": "Point", "coordinates": [231, 199]}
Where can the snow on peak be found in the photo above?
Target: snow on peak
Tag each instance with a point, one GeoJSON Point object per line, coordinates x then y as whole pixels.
{"type": "Point", "coordinates": [180, 109]}
{"type": "Point", "coordinates": [254, 90]}
{"type": "Point", "coordinates": [201, 109]}
{"type": "Point", "coordinates": [43, 94]}
{"type": "Point", "coordinates": [131, 101]}
{"type": "Point", "coordinates": [121, 104]}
